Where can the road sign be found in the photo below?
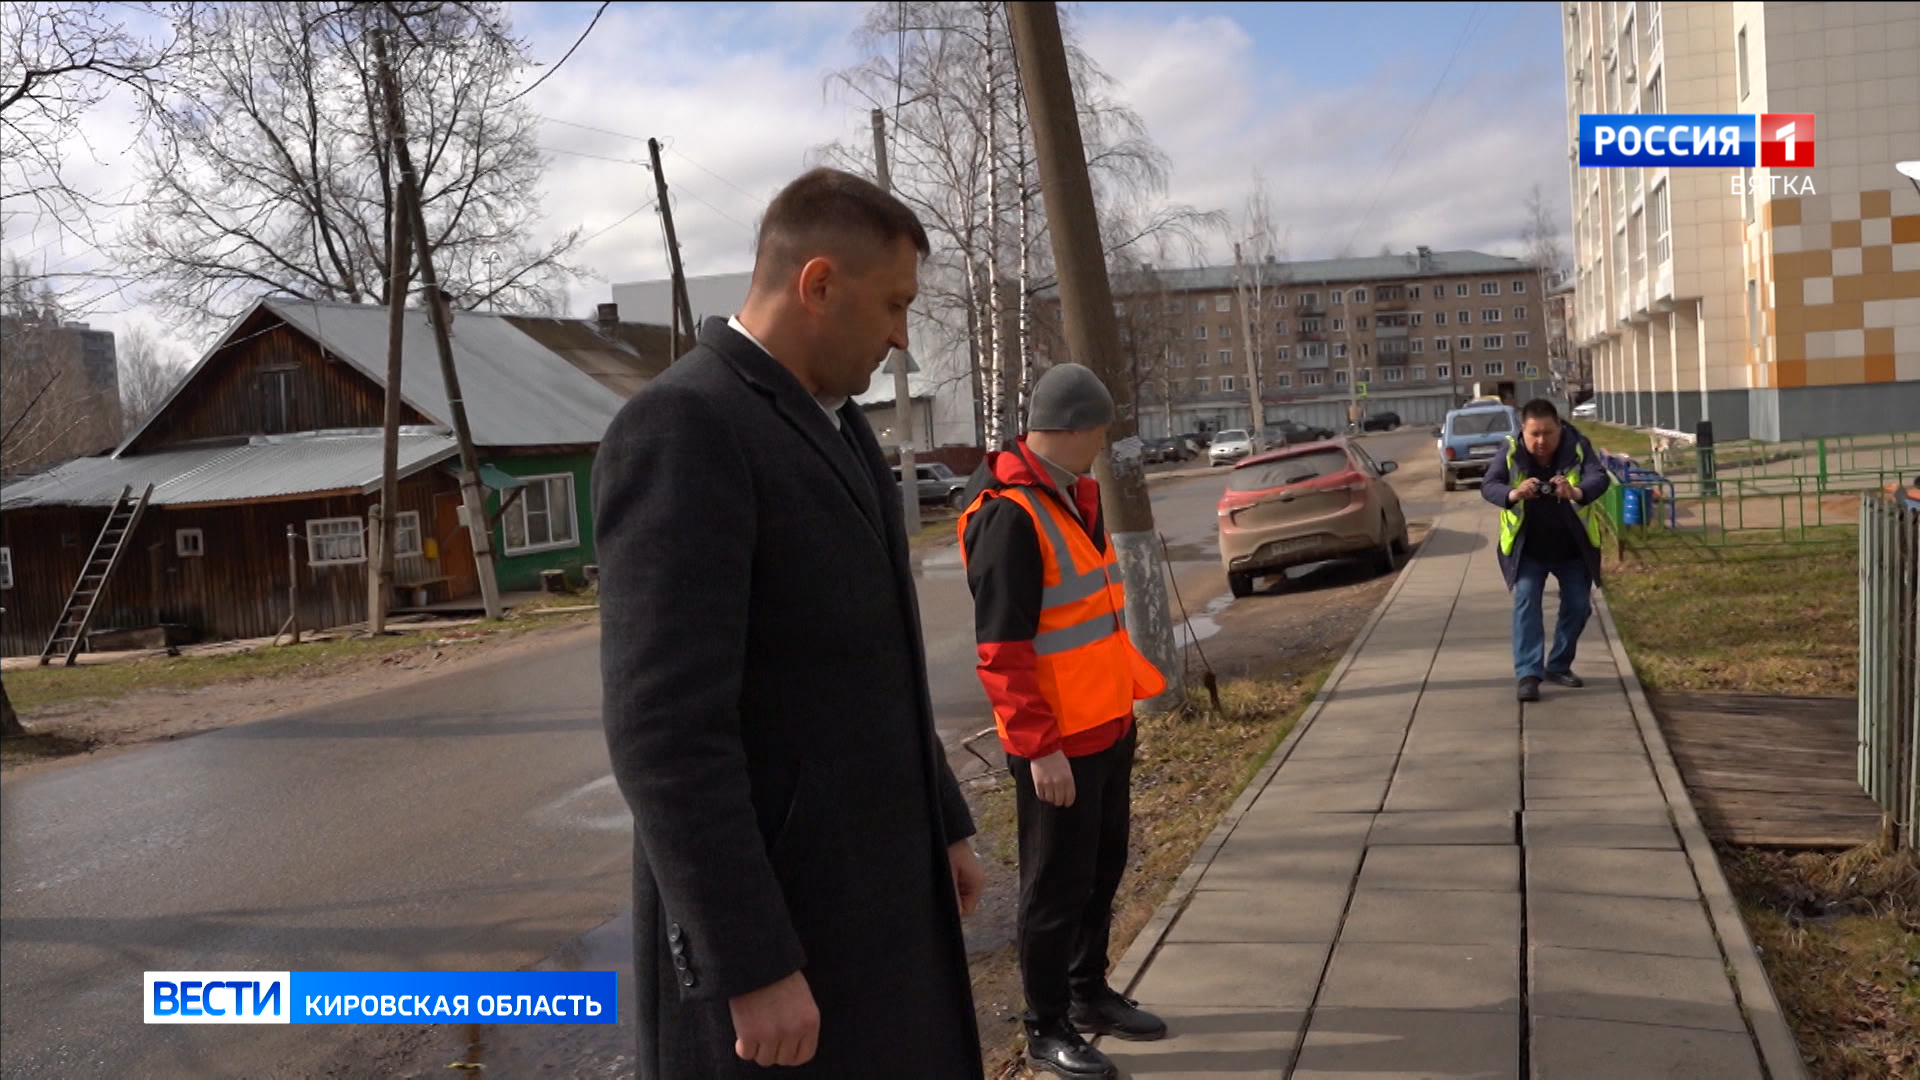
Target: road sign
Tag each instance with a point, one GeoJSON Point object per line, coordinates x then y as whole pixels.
{"type": "Point", "coordinates": [1360, 389]}
{"type": "Point", "coordinates": [1533, 371]}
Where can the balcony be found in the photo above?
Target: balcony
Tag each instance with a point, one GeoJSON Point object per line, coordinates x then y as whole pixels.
{"type": "Point", "coordinates": [1311, 335]}
{"type": "Point", "coordinates": [1308, 311]}
{"type": "Point", "coordinates": [1388, 333]}
{"type": "Point", "coordinates": [1396, 304]}
{"type": "Point", "coordinates": [1313, 363]}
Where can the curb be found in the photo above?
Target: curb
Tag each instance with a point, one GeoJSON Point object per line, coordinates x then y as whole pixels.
{"type": "Point", "coordinates": [1147, 942]}
{"type": "Point", "coordinates": [1773, 1037]}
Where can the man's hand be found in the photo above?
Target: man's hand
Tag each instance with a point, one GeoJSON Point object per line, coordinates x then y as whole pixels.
{"type": "Point", "coordinates": [777, 1024]}
{"type": "Point", "coordinates": [1564, 489]}
{"type": "Point", "coordinates": [1053, 779]}
{"type": "Point", "coordinates": [1530, 489]}
{"type": "Point", "coordinates": [968, 877]}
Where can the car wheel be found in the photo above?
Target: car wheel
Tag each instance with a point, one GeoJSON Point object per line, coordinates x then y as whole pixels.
{"type": "Point", "coordinates": [1389, 555]}
{"type": "Point", "coordinates": [1446, 481]}
{"type": "Point", "coordinates": [958, 500]}
{"type": "Point", "coordinates": [1241, 585]}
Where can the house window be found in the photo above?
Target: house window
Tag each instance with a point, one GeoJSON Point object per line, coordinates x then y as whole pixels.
{"type": "Point", "coordinates": [1418, 318]}
{"type": "Point", "coordinates": [1463, 318]}
{"type": "Point", "coordinates": [1226, 332]}
{"type": "Point", "coordinates": [1419, 374]}
{"type": "Point", "coordinates": [1460, 289]}
{"type": "Point", "coordinates": [1466, 371]}
{"type": "Point", "coordinates": [1339, 325]}
{"type": "Point", "coordinates": [1173, 307]}
{"type": "Point", "coordinates": [1226, 357]}
{"type": "Point", "coordinates": [1417, 345]}
{"type": "Point", "coordinates": [1283, 380]}
{"type": "Point", "coordinates": [1492, 342]}
{"type": "Point", "coordinates": [1365, 350]}
{"type": "Point", "coordinates": [1414, 292]}
{"type": "Point", "coordinates": [1359, 296]}
{"type": "Point", "coordinates": [1520, 341]}
{"type": "Point", "coordinates": [1226, 384]}
{"type": "Point", "coordinates": [189, 543]}
{"type": "Point", "coordinates": [1199, 306]}
{"type": "Point", "coordinates": [1199, 333]}
{"type": "Point", "coordinates": [1223, 303]}
{"type": "Point", "coordinates": [1520, 314]}
{"type": "Point", "coordinates": [1178, 360]}
{"type": "Point", "coordinates": [6, 568]}
{"type": "Point", "coordinates": [1442, 371]}
{"type": "Point", "coordinates": [1495, 369]}
{"type": "Point", "coordinates": [1465, 344]}
{"type": "Point", "coordinates": [1314, 351]}
{"type": "Point", "coordinates": [1439, 318]}
{"type": "Point", "coordinates": [336, 541]}
{"type": "Point", "coordinates": [1316, 378]}
{"type": "Point", "coordinates": [541, 519]}
{"type": "Point", "coordinates": [1179, 387]}
{"type": "Point", "coordinates": [1395, 374]}
{"type": "Point", "coordinates": [1490, 315]}
{"type": "Point", "coordinates": [276, 401]}
{"type": "Point", "coordinates": [406, 534]}
{"type": "Point", "coordinates": [1200, 360]}
{"type": "Point", "coordinates": [1366, 374]}
{"type": "Point", "coordinates": [1441, 344]}
{"type": "Point", "coordinates": [1203, 386]}
{"type": "Point", "coordinates": [1340, 351]}
{"type": "Point", "coordinates": [1340, 377]}
{"type": "Point", "coordinates": [1310, 326]}
{"type": "Point", "coordinates": [1338, 296]}
{"type": "Point", "coordinates": [1280, 327]}
{"type": "Point", "coordinates": [1519, 285]}
{"type": "Point", "coordinates": [1286, 352]}
{"type": "Point", "coordinates": [1489, 288]}
{"type": "Point", "coordinates": [1360, 322]}
{"type": "Point", "coordinates": [1279, 301]}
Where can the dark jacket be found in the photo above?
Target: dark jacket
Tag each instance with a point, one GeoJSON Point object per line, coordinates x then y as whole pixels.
{"type": "Point", "coordinates": [1594, 481]}
{"type": "Point", "coordinates": [1005, 572]}
{"type": "Point", "coordinates": [769, 722]}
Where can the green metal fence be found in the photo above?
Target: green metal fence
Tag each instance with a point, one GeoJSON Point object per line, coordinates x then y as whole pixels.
{"type": "Point", "coordinates": [1793, 500]}
{"type": "Point", "coordinates": [1889, 693]}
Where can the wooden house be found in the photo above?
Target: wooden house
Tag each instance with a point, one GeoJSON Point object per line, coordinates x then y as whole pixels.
{"type": "Point", "coordinates": [263, 463]}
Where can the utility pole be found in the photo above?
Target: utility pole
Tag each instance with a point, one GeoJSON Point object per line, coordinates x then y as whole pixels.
{"type": "Point", "coordinates": [1086, 301]}
{"type": "Point", "coordinates": [1259, 414]}
{"type": "Point", "coordinates": [397, 277]}
{"type": "Point", "coordinates": [682, 304]}
{"type": "Point", "coordinates": [474, 502]}
{"type": "Point", "coordinates": [902, 394]}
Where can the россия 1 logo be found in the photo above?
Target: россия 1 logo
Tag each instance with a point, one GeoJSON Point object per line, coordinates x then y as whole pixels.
{"type": "Point", "coordinates": [1697, 140]}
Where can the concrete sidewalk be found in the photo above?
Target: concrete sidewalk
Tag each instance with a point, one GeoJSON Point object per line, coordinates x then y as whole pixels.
{"type": "Point", "coordinates": [1428, 881]}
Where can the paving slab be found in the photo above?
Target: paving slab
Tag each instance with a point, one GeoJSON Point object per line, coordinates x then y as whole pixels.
{"type": "Point", "coordinates": [1485, 789]}
{"type": "Point", "coordinates": [1357, 768]}
{"type": "Point", "coordinates": [1553, 787]}
{"type": "Point", "coordinates": [1569, 1049]}
{"type": "Point", "coordinates": [1254, 1044]}
{"type": "Point", "coordinates": [1350, 797]}
{"type": "Point", "coordinates": [1444, 827]}
{"type": "Point", "coordinates": [1590, 828]}
{"type": "Point", "coordinates": [1424, 741]}
{"type": "Point", "coordinates": [1273, 827]}
{"type": "Point", "coordinates": [1590, 740]}
{"type": "Point", "coordinates": [1396, 917]}
{"type": "Point", "coordinates": [1297, 914]}
{"type": "Point", "coordinates": [1321, 742]}
{"type": "Point", "coordinates": [1241, 975]}
{"type": "Point", "coordinates": [1622, 768]}
{"type": "Point", "coordinates": [1641, 924]}
{"type": "Point", "coordinates": [1610, 872]}
{"type": "Point", "coordinates": [1640, 803]}
{"type": "Point", "coordinates": [1245, 865]}
{"type": "Point", "coordinates": [1460, 978]}
{"type": "Point", "coordinates": [1674, 991]}
{"type": "Point", "coordinates": [1426, 868]}
{"type": "Point", "coordinates": [1386, 1044]}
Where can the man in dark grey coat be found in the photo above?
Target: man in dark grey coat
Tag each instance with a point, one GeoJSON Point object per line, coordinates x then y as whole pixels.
{"type": "Point", "coordinates": [801, 854]}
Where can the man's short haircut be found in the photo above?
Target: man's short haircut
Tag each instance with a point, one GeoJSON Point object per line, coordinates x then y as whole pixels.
{"type": "Point", "coordinates": [1539, 409]}
{"type": "Point", "coordinates": [830, 212]}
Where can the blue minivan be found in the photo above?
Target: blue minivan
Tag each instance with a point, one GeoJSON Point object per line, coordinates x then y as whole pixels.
{"type": "Point", "coordinates": [1472, 437]}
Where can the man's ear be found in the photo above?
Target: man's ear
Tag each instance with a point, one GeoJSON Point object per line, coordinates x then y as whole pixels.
{"type": "Point", "coordinates": [816, 277]}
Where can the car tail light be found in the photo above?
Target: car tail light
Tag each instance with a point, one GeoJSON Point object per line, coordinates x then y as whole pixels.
{"type": "Point", "coordinates": [1449, 453]}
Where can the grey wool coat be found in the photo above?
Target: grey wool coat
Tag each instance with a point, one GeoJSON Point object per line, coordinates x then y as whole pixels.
{"type": "Point", "coordinates": [769, 722]}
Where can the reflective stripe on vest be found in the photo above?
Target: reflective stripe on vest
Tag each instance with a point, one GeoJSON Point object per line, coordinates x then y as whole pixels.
{"type": "Point", "coordinates": [1513, 515]}
{"type": "Point", "coordinates": [1089, 671]}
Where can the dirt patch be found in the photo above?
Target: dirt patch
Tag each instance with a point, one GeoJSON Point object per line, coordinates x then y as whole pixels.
{"type": "Point", "coordinates": [1840, 938]}
{"type": "Point", "coordinates": [98, 707]}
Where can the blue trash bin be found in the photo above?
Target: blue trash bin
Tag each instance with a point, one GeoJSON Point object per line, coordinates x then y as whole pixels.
{"type": "Point", "coordinates": [1633, 505]}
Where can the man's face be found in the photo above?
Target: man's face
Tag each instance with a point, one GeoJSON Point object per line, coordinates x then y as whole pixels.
{"type": "Point", "coordinates": [1542, 437]}
{"type": "Point", "coordinates": [866, 317]}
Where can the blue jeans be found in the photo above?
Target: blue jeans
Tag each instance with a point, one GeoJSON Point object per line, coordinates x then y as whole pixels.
{"type": "Point", "coordinates": [1529, 630]}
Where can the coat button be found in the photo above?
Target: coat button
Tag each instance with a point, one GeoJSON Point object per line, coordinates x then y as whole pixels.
{"type": "Point", "coordinates": [680, 960]}
{"type": "Point", "coordinates": [687, 980]}
{"type": "Point", "coordinates": [673, 933]}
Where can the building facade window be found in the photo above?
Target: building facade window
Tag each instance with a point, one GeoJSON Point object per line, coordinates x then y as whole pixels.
{"type": "Point", "coordinates": [1439, 318]}
{"type": "Point", "coordinates": [1338, 296]}
{"type": "Point", "coordinates": [1519, 285]}
{"type": "Point", "coordinates": [1340, 351]}
{"type": "Point", "coordinates": [1442, 371]}
{"type": "Point", "coordinates": [1203, 386]}
{"type": "Point", "coordinates": [1340, 377]}
{"type": "Point", "coordinates": [1199, 333]}
{"type": "Point", "coordinates": [189, 543]}
{"type": "Point", "coordinates": [406, 535]}
{"type": "Point", "coordinates": [1490, 315]}
{"type": "Point", "coordinates": [1339, 325]}
{"type": "Point", "coordinates": [1226, 384]}
{"type": "Point", "coordinates": [1417, 318]}
{"type": "Point", "coordinates": [1280, 327]}
{"type": "Point", "coordinates": [336, 541]}
{"type": "Point", "coordinates": [1359, 296]}
{"type": "Point", "coordinates": [1520, 314]}
{"type": "Point", "coordinates": [1464, 344]}
{"type": "Point", "coordinates": [1489, 288]}
{"type": "Point", "coordinates": [1286, 352]}
{"type": "Point", "coordinates": [1460, 289]}
{"type": "Point", "coordinates": [6, 568]}
{"type": "Point", "coordinates": [1495, 369]}
{"type": "Point", "coordinates": [1394, 374]}
{"type": "Point", "coordinates": [1359, 322]}
{"type": "Point", "coordinates": [1417, 374]}
{"type": "Point", "coordinates": [1316, 378]}
{"type": "Point", "coordinates": [1520, 341]}
{"type": "Point", "coordinates": [1441, 344]}
{"type": "Point", "coordinates": [1226, 357]}
{"type": "Point", "coordinates": [1283, 380]}
{"type": "Point", "coordinates": [1463, 318]}
{"type": "Point", "coordinates": [1466, 371]}
{"type": "Point", "coordinates": [1226, 331]}
{"type": "Point", "coordinates": [542, 518]}
{"type": "Point", "coordinates": [1223, 303]}
{"type": "Point", "coordinates": [1417, 345]}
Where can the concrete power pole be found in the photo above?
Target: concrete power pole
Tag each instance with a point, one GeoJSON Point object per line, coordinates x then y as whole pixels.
{"type": "Point", "coordinates": [902, 394]}
{"type": "Point", "coordinates": [473, 501]}
{"type": "Point", "coordinates": [1086, 301]}
{"type": "Point", "coordinates": [682, 303]}
{"type": "Point", "coordinates": [1259, 414]}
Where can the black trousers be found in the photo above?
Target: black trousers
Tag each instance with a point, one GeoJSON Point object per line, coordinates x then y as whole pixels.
{"type": "Point", "coordinates": [1071, 862]}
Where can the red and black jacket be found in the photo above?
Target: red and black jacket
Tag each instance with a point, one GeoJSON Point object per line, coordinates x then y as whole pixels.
{"type": "Point", "coordinates": [1005, 571]}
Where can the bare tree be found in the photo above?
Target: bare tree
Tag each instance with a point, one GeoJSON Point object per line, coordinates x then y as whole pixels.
{"type": "Point", "coordinates": [272, 173]}
{"type": "Point", "coordinates": [149, 370]}
{"type": "Point", "coordinates": [59, 396]}
{"type": "Point", "coordinates": [1547, 253]}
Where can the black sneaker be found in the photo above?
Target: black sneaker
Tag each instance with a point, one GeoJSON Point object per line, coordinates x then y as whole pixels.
{"type": "Point", "coordinates": [1566, 678]}
{"type": "Point", "coordinates": [1120, 1017]}
{"type": "Point", "coordinates": [1529, 689]}
{"type": "Point", "coordinates": [1058, 1049]}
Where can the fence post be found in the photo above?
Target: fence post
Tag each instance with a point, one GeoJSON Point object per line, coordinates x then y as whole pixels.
{"type": "Point", "coordinates": [1820, 449]}
{"type": "Point", "coordinates": [293, 585]}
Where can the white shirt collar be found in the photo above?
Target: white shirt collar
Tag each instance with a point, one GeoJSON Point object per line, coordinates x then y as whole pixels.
{"type": "Point", "coordinates": [828, 405]}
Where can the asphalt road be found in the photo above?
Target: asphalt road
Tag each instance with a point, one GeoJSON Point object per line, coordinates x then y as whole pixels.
{"type": "Point", "coordinates": [464, 822]}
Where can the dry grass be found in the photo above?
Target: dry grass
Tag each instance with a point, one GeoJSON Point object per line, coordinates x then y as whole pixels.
{"type": "Point", "coordinates": [1189, 768]}
{"type": "Point", "coordinates": [1620, 440]}
{"type": "Point", "coordinates": [1764, 619]}
{"type": "Point", "coordinates": [1840, 937]}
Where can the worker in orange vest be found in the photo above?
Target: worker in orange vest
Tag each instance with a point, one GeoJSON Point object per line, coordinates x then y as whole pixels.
{"type": "Point", "coordinates": [1062, 676]}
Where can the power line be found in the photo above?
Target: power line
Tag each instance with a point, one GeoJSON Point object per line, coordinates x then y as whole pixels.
{"type": "Point", "coordinates": [596, 157]}
{"type": "Point", "coordinates": [683, 189]}
{"type": "Point", "coordinates": [709, 172]}
{"type": "Point", "coordinates": [588, 127]}
{"type": "Point", "coordinates": [556, 67]}
{"type": "Point", "coordinates": [651, 203]}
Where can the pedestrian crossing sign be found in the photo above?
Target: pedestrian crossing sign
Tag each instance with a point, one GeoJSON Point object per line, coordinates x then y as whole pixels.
{"type": "Point", "coordinates": [1533, 371]}
{"type": "Point", "coordinates": [1361, 389]}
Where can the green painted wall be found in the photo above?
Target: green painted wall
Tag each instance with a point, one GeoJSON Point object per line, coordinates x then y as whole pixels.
{"type": "Point", "coordinates": [519, 573]}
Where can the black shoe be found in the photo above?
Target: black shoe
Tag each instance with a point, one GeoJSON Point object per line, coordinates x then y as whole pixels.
{"type": "Point", "coordinates": [1058, 1049]}
{"type": "Point", "coordinates": [1120, 1017]}
{"type": "Point", "coordinates": [1565, 678]}
{"type": "Point", "coordinates": [1529, 689]}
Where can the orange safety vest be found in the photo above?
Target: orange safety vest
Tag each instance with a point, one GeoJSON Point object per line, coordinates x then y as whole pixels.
{"type": "Point", "coordinates": [1089, 671]}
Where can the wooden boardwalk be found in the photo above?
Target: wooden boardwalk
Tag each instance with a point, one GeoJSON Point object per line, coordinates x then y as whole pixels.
{"type": "Point", "coordinates": [1770, 771]}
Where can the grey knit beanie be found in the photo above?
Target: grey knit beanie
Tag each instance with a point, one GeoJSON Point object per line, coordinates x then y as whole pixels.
{"type": "Point", "coordinates": [1069, 397]}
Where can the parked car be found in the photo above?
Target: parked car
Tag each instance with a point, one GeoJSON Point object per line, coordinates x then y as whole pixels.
{"type": "Point", "coordinates": [1472, 437]}
{"type": "Point", "coordinates": [1381, 421]}
{"type": "Point", "coordinates": [1229, 447]}
{"type": "Point", "coordinates": [1586, 410]}
{"type": "Point", "coordinates": [1199, 439]}
{"type": "Point", "coordinates": [938, 485]}
{"type": "Point", "coordinates": [1293, 433]}
{"type": "Point", "coordinates": [1308, 504]}
{"type": "Point", "coordinates": [1169, 449]}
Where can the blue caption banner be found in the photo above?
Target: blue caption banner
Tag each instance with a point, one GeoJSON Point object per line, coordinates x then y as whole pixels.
{"type": "Point", "coordinates": [382, 997]}
{"type": "Point", "coordinates": [1673, 140]}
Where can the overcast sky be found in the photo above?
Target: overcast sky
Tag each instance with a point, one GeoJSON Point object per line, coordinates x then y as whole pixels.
{"type": "Point", "coordinates": [1402, 124]}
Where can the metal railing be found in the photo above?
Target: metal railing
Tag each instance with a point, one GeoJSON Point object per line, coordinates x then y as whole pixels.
{"type": "Point", "coordinates": [1889, 690]}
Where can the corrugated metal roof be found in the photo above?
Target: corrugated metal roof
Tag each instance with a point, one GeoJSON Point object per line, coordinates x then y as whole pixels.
{"type": "Point", "coordinates": [1335, 271]}
{"type": "Point", "coordinates": [624, 366]}
{"type": "Point", "coordinates": [519, 392]}
{"type": "Point", "coordinates": [264, 470]}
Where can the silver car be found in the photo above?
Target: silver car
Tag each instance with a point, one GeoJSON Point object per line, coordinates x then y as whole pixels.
{"type": "Point", "coordinates": [1229, 447]}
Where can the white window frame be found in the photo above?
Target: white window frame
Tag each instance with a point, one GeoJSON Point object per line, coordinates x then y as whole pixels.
{"type": "Point", "coordinates": [1419, 374]}
{"type": "Point", "coordinates": [1464, 344]}
{"type": "Point", "coordinates": [1413, 292]}
{"type": "Point", "coordinates": [334, 530]}
{"type": "Point", "coordinates": [1224, 333]}
{"type": "Point", "coordinates": [1179, 360]}
{"type": "Point", "coordinates": [519, 508]}
{"type": "Point", "coordinates": [1226, 384]}
{"type": "Point", "coordinates": [1520, 341]}
{"type": "Point", "coordinates": [1466, 371]}
{"type": "Point", "coordinates": [403, 522]}
{"type": "Point", "coordinates": [1199, 333]}
{"type": "Point", "coordinates": [1223, 303]}
{"type": "Point", "coordinates": [1418, 318]}
{"type": "Point", "coordinates": [1203, 386]}
{"type": "Point", "coordinates": [1463, 318]}
{"type": "Point", "coordinates": [1491, 315]}
{"type": "Point", "coordinates": [1441, 344]}
{"type": "Point", "coordinates": [1359, 296]}
{"type": "Point", "coordinates": [1416, 345]}
{"type": "Point", "coordinates": [1394, 374]}
{"type": "Point", "coordinates": [1519, 285]}
{"type": "Point", "coordinates": [1199, 305]}
{"type": "Point", "coordinates": [1286, 352]}
{"type": "Point", "coordinates": [1460, 290]}
{"type": "Point", "coordinates": [1340, 377]}
{"type": "Point", "coordinates": [1178, 387]}
{"type": "Point", "coordinates": [1494, 369]}
{"type": "Point", "coordinates": [1520, 314]}
{"type": "Point", "coordinates": [6, 568]}
{"type": "Point", "coordinates": [1493, 342]}
{"type": "Point", "coordinates": [1366, 374]}
{"type": "Point", "coordinates": [1338, 296]}
{"type": "Point", "coordinates": [1439, 318]}
{"type": "Point", "coordinates": [1339, 326]}
{"type": "Point", "coordinates": [1443, 371]}
{"type": "Point", "coordinates": [1489, 288]}
{"type": "Point", "coordinates": [1340, 351]}
{"type": "Point", "coordinates": [1225, 356]}
{"type": "Point", "coordinates": [1283, 380]}
{"type": "Point", "coordinates": [1280, 326]}
{"type": "Point", "coordinates": [189, 543]}
{"type": "Point", "coordinates": [1316, 378]}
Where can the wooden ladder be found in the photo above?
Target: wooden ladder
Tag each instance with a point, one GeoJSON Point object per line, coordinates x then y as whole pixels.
{"type": "Point", "coordinates": [71, 630]}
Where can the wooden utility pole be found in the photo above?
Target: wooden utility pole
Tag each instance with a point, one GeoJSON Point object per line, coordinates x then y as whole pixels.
{"type": "Point", "coordinates": [380, 592]}
{"type": "Point", "coordinates": [437, 308]}
{"type": "Point", "coordinates": [1093, 339]}
{"type": "Point", "coordinates": [902, 393]}
{"type": "Point", "coordinates": [1259, 413]}
{"type": "Point", "coordinates": [293, 585]}
{"type": "Point", "coordinates": [682, 304]}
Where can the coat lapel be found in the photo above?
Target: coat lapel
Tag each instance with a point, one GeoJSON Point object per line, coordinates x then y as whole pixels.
{"type": "Point", "coordinates": [799, 409]}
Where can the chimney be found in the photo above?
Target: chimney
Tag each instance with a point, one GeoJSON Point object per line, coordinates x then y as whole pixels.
{"type": "Point", "coordinates": [607, 318]}
{"type": "Point", "coordinates": [1426, 257]}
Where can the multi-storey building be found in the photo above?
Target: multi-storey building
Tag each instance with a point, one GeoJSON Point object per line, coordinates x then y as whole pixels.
{"type": "Point", "coordinates": [59, 391]}
{"type": "Point", "coordinates": [1779, 304]}
{"type": "Point", "coordinates": [1415, 334]}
